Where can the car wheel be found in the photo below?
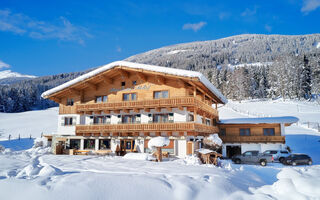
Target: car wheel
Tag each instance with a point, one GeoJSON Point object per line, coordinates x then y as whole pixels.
{"type": "Point", "coordinates": [294, 163]}
{"type": "Point", "coordinates": [281, 159]}
{"type": "Point", "coordinates": [309, 162]}
{"type": "Point", "coordinates": [237, 161]}
{"type": "Point", "coordinates": [263, 162]}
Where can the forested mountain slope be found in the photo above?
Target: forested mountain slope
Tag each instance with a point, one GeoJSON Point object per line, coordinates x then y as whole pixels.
{"type": "Point", "coordinates": [242, 67]}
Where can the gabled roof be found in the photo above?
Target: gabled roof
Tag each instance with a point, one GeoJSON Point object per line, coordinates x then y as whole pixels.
{"type": "Point", "coordinates": [264, 120]}
{"type": "Point", "coordinates": [165, 70]}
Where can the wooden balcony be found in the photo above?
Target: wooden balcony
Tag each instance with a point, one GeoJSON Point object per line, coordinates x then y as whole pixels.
{"type": "Point", "coordinates": [153, 103]}
{"type": "Point", "coordinates": [253, 139]}
{"type": "Point", "coordinates": [154, 127]}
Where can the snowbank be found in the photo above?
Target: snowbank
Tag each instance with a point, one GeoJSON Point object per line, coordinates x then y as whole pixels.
{"type": "Point", "coordinates": [213, 139]}
{"type": "Point", "coordinates": [191, 160]}
{"type": "Point", "coordinates": [136, 156]}
{"type": "Point", "coordinates": [293, 183]}
{"type": "Point", "coordinates": [1, 148]}
{"type": "Point", "coordinates": [158, 142]}
{"type": "Point", "coordinates": [166, 70]}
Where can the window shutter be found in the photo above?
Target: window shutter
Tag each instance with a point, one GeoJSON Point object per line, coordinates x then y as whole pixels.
{"type": "Point", "coordinates": [74, 120]}
{"type": "Point", "coordinates": [150, 118]}
{"type": "Point", "coordinates": [138, 118]}
{"type": "Point", "coordinates": [62, 121]}
{"type": "Point", "coordinates": [171, 118]}
{"type": "Point", "coordinates": [119, 119]}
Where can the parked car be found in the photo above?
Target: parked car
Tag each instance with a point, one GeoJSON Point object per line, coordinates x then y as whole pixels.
{"type": "Point", "coordinates": [278, 155]}
{"type": "Point", "coordinates": [252, 157]}
{"type": "Point", "coordinates": [296, 159]}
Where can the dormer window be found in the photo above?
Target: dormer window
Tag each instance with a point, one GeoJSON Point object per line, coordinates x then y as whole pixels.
{"type": "Point", "coordinates": [100, 99]}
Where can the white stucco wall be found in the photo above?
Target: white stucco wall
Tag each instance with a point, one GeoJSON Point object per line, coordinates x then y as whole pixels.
{"type": "Point", "coordinates": [70, 129]}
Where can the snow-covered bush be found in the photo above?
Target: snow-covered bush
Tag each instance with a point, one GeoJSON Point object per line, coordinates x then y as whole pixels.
{"type": "Point", "coordinates": [40, 142]}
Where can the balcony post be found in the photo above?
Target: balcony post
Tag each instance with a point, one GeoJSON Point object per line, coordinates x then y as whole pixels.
{"type": "Point", "coordinates": [81, 144]}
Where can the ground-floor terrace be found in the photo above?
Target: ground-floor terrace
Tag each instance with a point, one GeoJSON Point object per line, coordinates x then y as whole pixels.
{"type": "Point", "coordinates": [181, 144]}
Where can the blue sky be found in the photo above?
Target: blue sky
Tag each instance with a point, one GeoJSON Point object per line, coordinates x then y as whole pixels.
{"type": "Point", "coordinates": [50, 37]}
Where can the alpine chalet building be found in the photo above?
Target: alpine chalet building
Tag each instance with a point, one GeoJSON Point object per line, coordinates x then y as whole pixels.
{"type": "Point", "coordinates": [120, 106]}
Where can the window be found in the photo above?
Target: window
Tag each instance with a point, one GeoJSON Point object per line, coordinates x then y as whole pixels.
{"type": "Point", "coordinates": [131, 119]}
{"type": "Point", "coordinates": [89, 144]}
{"type": "Point", "coordinates": [69, 121]}
{"type": "Point", "coordinates": [134, 83]}
{"type": "Point", "coordinates": [190, 118]}
{"type": "Point", "coordinates": [161, 94]}
{"type": "Point", "coordinates": [222, 131]}
{"type": "Point", "coordinates": [268, 131]}
{"type": "Point", "coordinates": [74, 144]}
{"type": "Point", "coordinates": [162, 118]}
{"type": "Point", "coordinates": [130, 97]}
{"type": "Point", "coordinates": [104, 144]}
{"type": "Point", "coordinates": [208, 122]}
{"type": "Point", "coordinates": [70, 102]}
{"type": "Point", "coordinates": [100, 99]}
{"type": "Point", "coordinates": [245, 131]}
{"type": "Point", "coordinates": [123, 84]}
{"type": "Point", "coordinates": [99, 120]}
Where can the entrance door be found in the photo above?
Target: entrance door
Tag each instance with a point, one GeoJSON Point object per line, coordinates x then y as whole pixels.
{"type": "Point", "coordinates": [127, 145]}
{"type": "Point", "coordinates": [233, 150]}
{"type": "Point", "coordinates": [189, 148]}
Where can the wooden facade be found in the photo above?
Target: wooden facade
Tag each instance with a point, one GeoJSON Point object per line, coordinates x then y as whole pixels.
{"type": "Point", "coordinates": [183, 93]}
{"type": "Point", "coordinates": [230, 133]}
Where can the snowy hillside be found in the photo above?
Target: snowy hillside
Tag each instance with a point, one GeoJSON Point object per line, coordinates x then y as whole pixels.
{"type": "Point", "coordinates": [40, 175]}
{"type": "Point", "coordinates": [28, 123]}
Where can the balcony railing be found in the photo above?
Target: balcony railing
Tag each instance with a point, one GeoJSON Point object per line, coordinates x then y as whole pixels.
{"type": "Point", "coordinates": [153, 103]}
{"type": "Point", "coordinates": [153, 127]}
{"type": "Point", "coordinates": [253, 139]}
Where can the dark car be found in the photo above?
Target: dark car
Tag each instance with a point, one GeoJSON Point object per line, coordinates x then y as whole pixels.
{"type": "Point", "coordinates": [296, 159]}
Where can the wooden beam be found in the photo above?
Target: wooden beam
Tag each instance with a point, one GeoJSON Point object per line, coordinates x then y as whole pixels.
{"type": "Point", "coordinates": [169, 109]}
{"type": "Point", "coordinates": [158, 133]}
{"type": "Point", "coordinates": [180, 108]}
{"type": "Point", "coordinates": [136, 110]}
{"type": "Point", "coordinates": [160, 79]}
{"type": "Point", "coordinates": [158, 109]}
{"type": "Point", "coordinates": [147, 109]}
{"type": "Point", "coordinates": [169, 134]}
{"type": "Point", "coordinates": [93, 86]}
{"type": "Point", "coordinates": [58, 100]}
{"type": "Point", "coordinates": [126, 110]}
{"type": "Point", "coordinates": [106, 111]}
{"type": "Point", "coordinates": [124, 74]}
{"type": "Point", "coordinates": [141, 76]}
{"type": "Point", "coordinates": [74, 91]}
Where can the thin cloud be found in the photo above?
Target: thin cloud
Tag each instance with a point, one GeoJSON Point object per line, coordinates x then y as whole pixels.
{"type": "Point", "coordinates": [4, 65]}
{"type": "Point", "coordinates": [62, 29]}
{"type": "Point", "coordinates": [310, 5]}
{"type": "Point", "coordinates": [268, 27]}
{"type": "Point", "coordinates": [195, 27]}
{"type": "Point", "coordinates": [249, 12]}
{"type": "Point", "coordinates": [224, 15]}
{"type": "Point", "coordinates": [118, 49]}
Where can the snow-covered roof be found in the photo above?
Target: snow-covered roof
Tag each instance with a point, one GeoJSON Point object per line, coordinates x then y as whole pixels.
{"type": "Point", "coordinates": [166, 70]}
{"type": "Point", "coordinates": [264, 120]}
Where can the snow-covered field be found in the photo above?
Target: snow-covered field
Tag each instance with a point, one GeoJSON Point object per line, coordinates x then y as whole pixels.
{"type": "Point", "coordinates": [36, 174]}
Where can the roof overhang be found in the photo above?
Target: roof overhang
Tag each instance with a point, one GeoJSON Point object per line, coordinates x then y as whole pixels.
{"type": "Point", "coordinates": [142, 67]}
